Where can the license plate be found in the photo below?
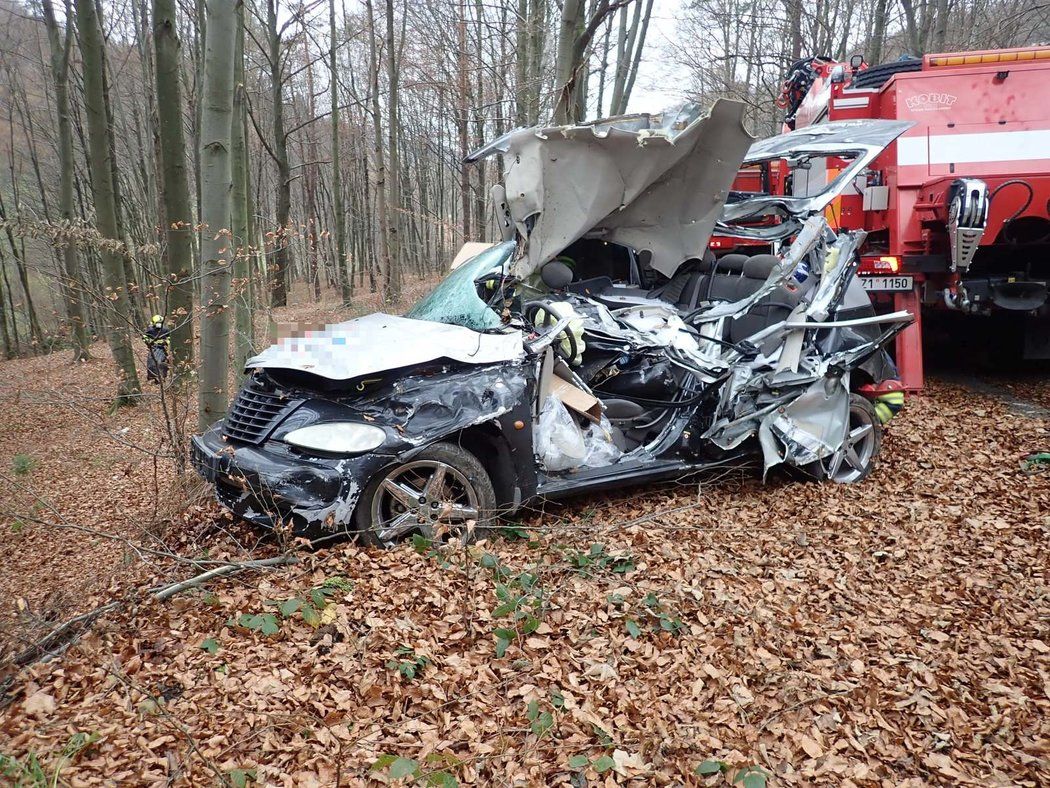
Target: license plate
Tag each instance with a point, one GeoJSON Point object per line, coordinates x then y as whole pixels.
{"type": "Point", "coordinates": [887, 283]}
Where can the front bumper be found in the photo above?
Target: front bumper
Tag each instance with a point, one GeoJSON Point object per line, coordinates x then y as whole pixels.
{"type": "Point", "coordinates": [273, 486]}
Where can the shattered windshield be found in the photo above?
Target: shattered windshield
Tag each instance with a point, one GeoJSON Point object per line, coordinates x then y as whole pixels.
{"type": "Point", "coordinates": [455, 300]}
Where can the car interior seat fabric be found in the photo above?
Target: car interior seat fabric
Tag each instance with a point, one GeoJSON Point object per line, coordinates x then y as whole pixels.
{"type": "Point", "coordinates": [770, 309]}
{"type": "Point", "coordinates": [683, 289]}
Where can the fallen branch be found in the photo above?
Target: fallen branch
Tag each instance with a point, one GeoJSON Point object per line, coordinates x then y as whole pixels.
{"type": "Point", "coordinates": [169, 591]}
{"type": "Point", "coordinates": [64, 635]}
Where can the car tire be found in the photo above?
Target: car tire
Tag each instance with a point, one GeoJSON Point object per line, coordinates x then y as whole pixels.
{"type": "Point", "coordinates": [443, 493]}
{"type": "Point", "coordinates": [858, 457]}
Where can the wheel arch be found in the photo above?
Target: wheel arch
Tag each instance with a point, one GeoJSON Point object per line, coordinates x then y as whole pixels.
{"type": "Point", "coordinates": [490, 446]}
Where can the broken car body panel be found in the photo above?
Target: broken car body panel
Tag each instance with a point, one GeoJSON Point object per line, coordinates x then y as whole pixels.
{"type": "Point", "coordinates": [759, 366]}
{"type": "Point", "coordinates": [861, 141]}
{"type": "Point", "coordinates": [656, 183]}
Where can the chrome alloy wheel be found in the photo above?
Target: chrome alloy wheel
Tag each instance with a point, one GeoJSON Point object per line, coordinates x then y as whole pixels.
{"type": "Point", "coordinates": [851, 462]}
{"type": "Point", "coordinates": [428, 497]}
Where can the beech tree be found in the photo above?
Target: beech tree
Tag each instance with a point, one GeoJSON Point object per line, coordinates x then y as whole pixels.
{"type": "Point", "coordinates": [216, 200]}
{"type": "Point", "coordinates": [100, 162]}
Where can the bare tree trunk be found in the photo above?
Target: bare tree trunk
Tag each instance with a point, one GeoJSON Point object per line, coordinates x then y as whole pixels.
{"type": "Point", "coordinates": [243, 341]}
{"type": "Point", "coordinates": [878, 35]}
{"type": "Point", "coordinates": [521, 64]}
{"type": "Point", "coordinates": [393, 127]}
{"type": "Point", "coordinates": [345, 277]}
{"type": "Point", "coordinates": [380, 164]}
{"type": "Point", "coordinates": [105, 207]}
{"type": "Point", "coordinates": [216, 189]}
{"type": "Point", "coordinates": [282, 253]}
{"type": "Point", "coordinates": [636, 57]}
{"type": "Point", "coordinates": [60, 52]}
{"type": "Point", "coordinates": [175, 188]}
{"type": "Point", "coordinates": [574, 39]}
{"type": "Point", "coordinates": [537, 40]}
{"type": "Point", "coordinates": [565, 65]}
{"type": "Point", "coordinates": [461, 120]}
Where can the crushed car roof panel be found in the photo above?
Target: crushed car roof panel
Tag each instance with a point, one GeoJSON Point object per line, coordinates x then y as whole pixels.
{"type": "Point", "coordinates": [656, 183]}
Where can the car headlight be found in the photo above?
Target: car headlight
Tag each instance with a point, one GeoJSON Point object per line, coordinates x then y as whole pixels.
{"type": "Point", "coordinates": [337, 437]}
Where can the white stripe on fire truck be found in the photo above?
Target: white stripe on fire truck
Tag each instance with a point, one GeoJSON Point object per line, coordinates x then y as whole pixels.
{"type": "Point", "coordinates": [972, 148]}
{"type": "Point", "coordinates": [848, 103]}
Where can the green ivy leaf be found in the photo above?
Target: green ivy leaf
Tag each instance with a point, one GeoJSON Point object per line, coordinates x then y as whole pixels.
{"type": "Point", "coordinates": [579, 762]}
{"type": "Point", "coordinates": [382, 762]}
{"type": "Point", "coordinates": [403, 767]}
{"type": "Point", "coordinates": [239, 778]}
{"type": "Point", "coordinates": [211, 645]}
{"type": "Point", "coordinates": [710, 767]}
{"type": "Point", "coordinates": [442, 780]}
{"type": "Point", "coordinates": [506, 608]}
{"type": "Point", "coordinates": [268, 624]}
{"type": "Point", "coordinates": [489, 561]}
{"type": "Point", "coordinates": [543, 723]}
{"type": "Point", "coordinates": [534, 710]}
{"type": "Point", "coordinates": [289, 606]}
{"type": "Point", "coordinates": [632, 628]}
{"type": "Point", "coordinates": [502, 644]}
{"type": "Point", "coordinates": [604, 764]}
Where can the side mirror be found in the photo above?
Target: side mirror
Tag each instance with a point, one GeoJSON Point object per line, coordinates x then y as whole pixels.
{"type": "Point", "coordinates": [856, 62]}
{"type": "Point", "coordinates": [556, 275]}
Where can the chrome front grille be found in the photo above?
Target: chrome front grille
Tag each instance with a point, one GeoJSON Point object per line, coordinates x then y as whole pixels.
{"type": "Point", "coordinates": [253, 415]}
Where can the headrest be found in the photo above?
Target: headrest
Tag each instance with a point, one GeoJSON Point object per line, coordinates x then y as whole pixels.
{"type": "Point", "coordinates": [760, 266]}
{"type": "Point", "coordinates": [731, 263]}
{"type": "Point", "coordinates": [556, 275]}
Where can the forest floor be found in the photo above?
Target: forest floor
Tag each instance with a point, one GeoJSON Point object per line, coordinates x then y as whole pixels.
{"type": "Point", "coordinates": [892, 633]}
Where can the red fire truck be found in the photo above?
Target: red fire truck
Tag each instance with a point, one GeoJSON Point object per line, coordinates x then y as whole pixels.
{"type": "Point", "coordinates": [957, 208]}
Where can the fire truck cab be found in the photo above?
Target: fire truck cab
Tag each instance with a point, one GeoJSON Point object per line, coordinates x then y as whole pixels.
{"type": "Point", "coordinates": [956, 209]}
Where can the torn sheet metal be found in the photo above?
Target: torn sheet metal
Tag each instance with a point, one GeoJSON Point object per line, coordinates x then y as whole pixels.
{"type": "Point", "coordinates": [653, 182]}
{"type": "Point", "coordinates": [421, 408]}
{"type": "Point", "coordinates": [811, 427]}
{"type": "Point", "coordinates": [380, 342]}
{"type": "Point", "coordinates": [859, 140]}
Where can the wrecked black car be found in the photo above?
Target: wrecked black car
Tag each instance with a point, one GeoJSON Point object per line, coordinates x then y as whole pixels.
{"type": "Point", "coordinates": [598, 344]}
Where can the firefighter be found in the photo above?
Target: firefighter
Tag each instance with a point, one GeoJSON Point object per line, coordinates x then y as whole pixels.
{"type": "Point", "coordinates": [889, 403]}
{"type": "Point", "coordinates": [158, 346]}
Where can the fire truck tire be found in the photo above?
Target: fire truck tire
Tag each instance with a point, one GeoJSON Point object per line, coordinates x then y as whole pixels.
{"type": "Point", "coordinates": [877, 76]}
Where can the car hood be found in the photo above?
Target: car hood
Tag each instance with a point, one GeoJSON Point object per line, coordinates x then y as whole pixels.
{"type": "Point", "coordinates": [381, 342]}
{"type": "Point", "coordinates": [656, 183]}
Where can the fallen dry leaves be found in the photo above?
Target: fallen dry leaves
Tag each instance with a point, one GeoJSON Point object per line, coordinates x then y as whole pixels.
{"type": "Point", "coordinates": [892, 633]}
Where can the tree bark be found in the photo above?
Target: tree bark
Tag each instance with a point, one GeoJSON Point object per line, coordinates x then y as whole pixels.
{"type": "Point", "coordinates": [380, 164]}
{"type": "Point", "coordinates": [175, 188]}
{"type": "Point", "coordinates": [60, 53]}
{"type": "Point", "coordinates": [282, 253]}
{"type": "Point", "coordinates": [216, 192]}
{"type": "Point", "coordinates": [342, 272]}
{"type": "Point", "coordinates": [393, 128]}
{"type": "Point", "coordinates": [105, 207]}
{"type": "Point", "coordinates": [243, 341]}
